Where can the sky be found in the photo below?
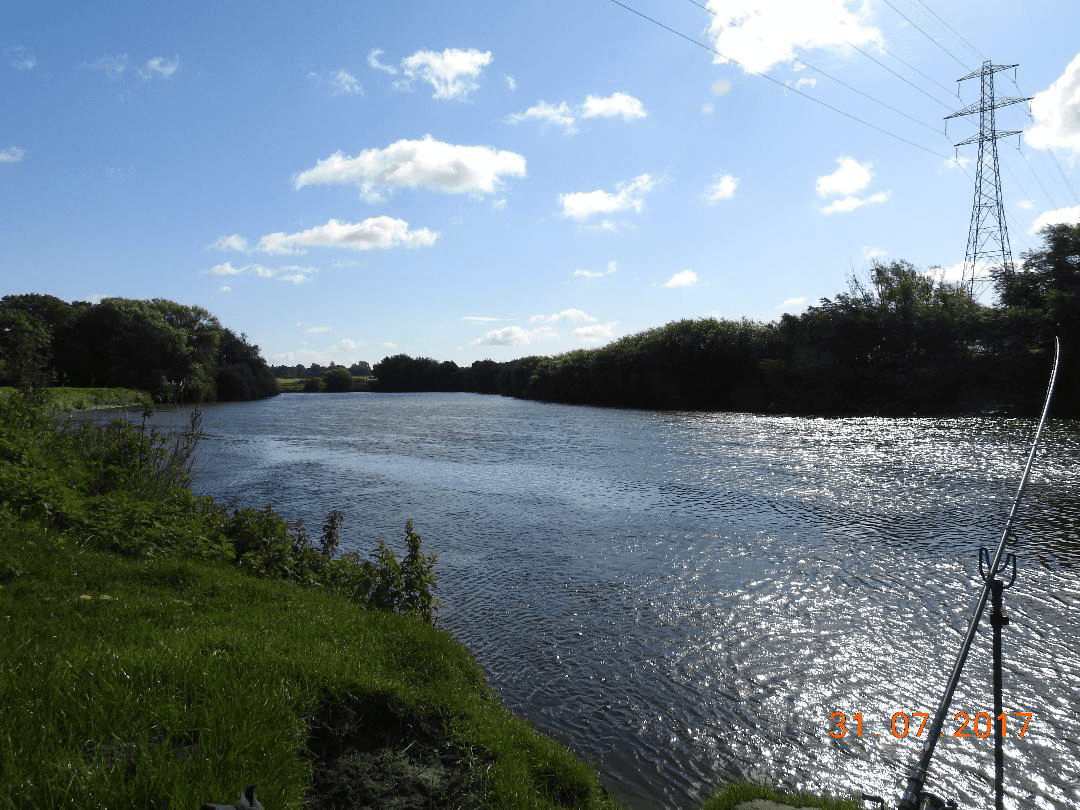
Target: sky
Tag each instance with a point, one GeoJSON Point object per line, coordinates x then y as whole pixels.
{"type": "Point", "coordinates": [344, 181]}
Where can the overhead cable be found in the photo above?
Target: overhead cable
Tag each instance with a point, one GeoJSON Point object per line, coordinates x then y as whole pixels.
{"type": "Point", "coordinates": [778, 82]}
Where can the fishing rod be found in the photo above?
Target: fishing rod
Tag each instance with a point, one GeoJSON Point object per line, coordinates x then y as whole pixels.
{"type": "Point", "coordinates": [913, 795]}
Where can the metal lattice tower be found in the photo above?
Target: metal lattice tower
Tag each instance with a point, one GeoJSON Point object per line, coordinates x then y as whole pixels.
{"type": "Point", "coordinates": [988, 235]}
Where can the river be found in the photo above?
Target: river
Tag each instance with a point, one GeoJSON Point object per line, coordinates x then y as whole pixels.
{"type": "Point", "coordinates": [683, 598]}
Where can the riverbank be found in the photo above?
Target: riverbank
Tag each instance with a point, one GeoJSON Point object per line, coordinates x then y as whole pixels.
{"type": "Point", "coordinates": [63, 398]}
{"type": "Point", "coordinates": [143, 667]}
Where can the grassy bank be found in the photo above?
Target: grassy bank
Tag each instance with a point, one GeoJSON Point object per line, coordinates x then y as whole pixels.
{"type": "Point", "coordinates": [61, 398]}
{"type": "Point", "coordinates": [731, 795]}
{"type": "Point", "coordinates": [163, 682]}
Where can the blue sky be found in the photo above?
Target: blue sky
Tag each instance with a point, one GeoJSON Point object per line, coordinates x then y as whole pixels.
{"type": "Point", "coordinates": [345, 181]}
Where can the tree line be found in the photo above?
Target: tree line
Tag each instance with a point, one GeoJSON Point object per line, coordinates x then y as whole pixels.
{"type": "Point", "coordinates": [176, 353]}
{"type": "Point", "coordinates": [894, 343]}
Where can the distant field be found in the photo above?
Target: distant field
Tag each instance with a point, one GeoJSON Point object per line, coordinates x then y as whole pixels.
{"type": "Point", "coordinates": [295, 385]}
{"type": "Point", "coordinates": [80, 399]}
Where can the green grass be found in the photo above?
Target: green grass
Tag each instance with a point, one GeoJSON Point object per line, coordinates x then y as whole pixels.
{"type": "Point", "coordinates": [164, 682]}
{"type": "Point", "coordinates": [735, 793]}
{"type": "Point", "coordinates": [62, 398]}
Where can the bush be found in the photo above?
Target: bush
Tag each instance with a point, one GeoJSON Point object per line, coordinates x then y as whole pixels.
{"type": "Point", "coordinates": [125, 488]}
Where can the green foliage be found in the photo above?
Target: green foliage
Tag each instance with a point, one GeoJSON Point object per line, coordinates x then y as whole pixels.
{"type": "Point", "coordinates": [338, 379]}
{"type": "Point", "coordinates": [177, 353]}
{"type": "Point", "coordinates": [125, 488]}
{"type": "Point", "coordinates": [404, 585]}
{"type": "Point", "coordinates": [404, 373]}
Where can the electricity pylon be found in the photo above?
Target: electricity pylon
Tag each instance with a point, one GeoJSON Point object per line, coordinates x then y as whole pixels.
{"type": "Point", "coordinates": [988, 236]}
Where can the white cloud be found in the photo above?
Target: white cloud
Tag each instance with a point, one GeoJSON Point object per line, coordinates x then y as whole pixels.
{"type": "Point", "coordinates": [451, 72]}
{"type": "Point", "coordinates": [318, 330]}
{"type": "Point", "coordinates": [565, 315]}
{"type": "Point", "coordinates": [514, 336]}
{"type": "Point", "coordinates": [228, 269]}
{"type": "Point", "coordinates": [617, 105]}
{"type": "Point", "coordinates": [344, 83]}
{"type": "Point", "coordinates": [225, 288]}
{"type": "Point", "coordinates": [373, 61]}
{"type": "Point", "coordinates": [511, 82]}
{"type": "Point", "coordinates": [1026, 205]}
{"type": "Point", "coordinates": [159, 66]}
{"type": "Point", "coordinates": [548, 114]}
{"type": "Point", "coordinates": [233, 241]}
{"type": "Point", "coordinates": [1056, 111]}
{"type": "Point", "coordinates": [851, 202]}
{"type": "Point", "coordinates": [612, 267]}
{"type": "Point", "coordinates": [13, 154]}
{"type": "Point", "coordinates": [1059, 216]}
{"type": "Point", "coordinates": [596, 332]}
{"type": "Point", "coordinates": [805, 84]}
{"type": "Point", "coordinates": [21, 59]}
{"type": "Point", "coordinates": [797, 301]}
{"type": "Point", "coordinates": [953, 273]}
{"type": "Point", "coordinates": [116, 65]}
{"type": "Point", "coordinates": [291, 274]}
{"type": "Point", "coordinates": [851, 176]}
{"type": "Point", "coordinates": [425, 163]}
{"type": "Point", "coordinates": [760, 35]}
{"type": "Point", "coordinates": [684, 278]}
{"type": "Point", "coordinates": [374, 233]}
{"type": "Point", "coordinates": [873, 252]}
{"type": "Point", "coordinates": [721, 87]}
{"type": "Point", "coordinates": [112, 65]}
{"type": "Point", "coordinates": [722, 189]}
{"type": "Point", "coordinates": [628, 196]}
{"type": "Point", "coordinates": [481, 319]}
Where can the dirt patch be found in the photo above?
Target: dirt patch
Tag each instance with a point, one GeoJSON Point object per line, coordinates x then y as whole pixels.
{"type": "Point", "coordinates": [370, 752]}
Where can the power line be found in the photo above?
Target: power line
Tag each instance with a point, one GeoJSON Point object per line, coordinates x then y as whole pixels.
{"type": "Point", "coordinates": [908, 64]}
{"type": "Point", "coordinates": [840, 81]}
{"type": "Point", "coordinates": [897, 75]}
{"type": "Point", "coordinates": [777, 82]}
{"type": "Point", "coordinates": [955, 33]}
{"type": "Point", "coordinates": [921, 31]}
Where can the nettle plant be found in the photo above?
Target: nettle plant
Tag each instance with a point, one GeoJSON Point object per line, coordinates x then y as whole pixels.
{"type": "Point", "coordinates": [267, 545]}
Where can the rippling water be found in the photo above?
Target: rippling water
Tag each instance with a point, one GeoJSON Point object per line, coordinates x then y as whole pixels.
{"type": "Point", "coordinates": [683, 598]}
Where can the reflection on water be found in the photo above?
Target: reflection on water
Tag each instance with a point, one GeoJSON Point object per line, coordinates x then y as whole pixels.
{"type": "Point", "coordinates": [685, 598]}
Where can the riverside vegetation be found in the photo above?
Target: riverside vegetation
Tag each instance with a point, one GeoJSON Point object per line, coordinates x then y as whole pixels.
{"type": "Point", "coordinates": [162, 650]}
{"type": "Point", "coordinates": [898, 342]}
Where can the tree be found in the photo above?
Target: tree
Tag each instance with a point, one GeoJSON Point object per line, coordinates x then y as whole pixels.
{"type": "Point", "coordinates": [25, 348]}
{"type": "Point", "coordinates": [338, 379]}
{"type": "Point", "coordinates": [1040, 300]}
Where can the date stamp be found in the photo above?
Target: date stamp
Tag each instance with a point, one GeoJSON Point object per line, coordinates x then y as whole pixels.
{"type": "Point", "coordinates": [965, 725]}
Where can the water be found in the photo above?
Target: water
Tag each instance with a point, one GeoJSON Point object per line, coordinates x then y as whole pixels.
{"type": "Point", "coordinates": [684, 598]}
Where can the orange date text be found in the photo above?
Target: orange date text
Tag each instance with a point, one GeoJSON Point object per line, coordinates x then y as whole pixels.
{"type": "Point", "coordinates": [979, 725]}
